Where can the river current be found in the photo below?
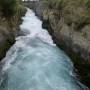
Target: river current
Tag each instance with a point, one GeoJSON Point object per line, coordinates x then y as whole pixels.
{"type": "Point", "coordinates": [34, 62]}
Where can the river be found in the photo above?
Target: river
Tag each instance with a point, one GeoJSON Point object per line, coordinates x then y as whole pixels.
{"type": "Point", "coordinates": [34, 62]}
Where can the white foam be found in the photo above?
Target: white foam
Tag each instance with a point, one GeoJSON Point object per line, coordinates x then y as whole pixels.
{"type": "Point", "coordinates": [33, 25]}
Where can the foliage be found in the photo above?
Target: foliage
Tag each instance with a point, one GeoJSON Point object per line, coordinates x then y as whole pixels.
{"type": "Point", "coordinates": [11, 12]}
{"type": "Point", "coordinates": [54, 4]}
{"type": "Point", "coordinates": [76, 12]}
{"type": "Point", "coordinates": [8, 7]}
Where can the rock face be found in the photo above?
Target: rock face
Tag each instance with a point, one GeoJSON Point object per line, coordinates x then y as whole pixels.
{"type": "Point", "coordinates": [75, 43]}
{"type": "Point", "coordinates": [78, 41]}
{"type": "Point", "coordinates": [7, 38]}
{"type": "Point", "coordinates": [9, 31]}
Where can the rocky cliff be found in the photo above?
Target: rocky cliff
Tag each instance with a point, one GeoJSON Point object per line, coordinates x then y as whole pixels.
{"type": "Point", "coordinates": [71, 33]}
{"type": "Point", "coordinates": [8, 31]}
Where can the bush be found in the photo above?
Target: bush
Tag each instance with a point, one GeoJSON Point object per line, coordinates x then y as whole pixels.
{"type": "Point", "coordinates": [8, 7]}
{"type": "Point", "coordinates": [74, 12]}
{"type": "Point", "coordinates": [54, 4]}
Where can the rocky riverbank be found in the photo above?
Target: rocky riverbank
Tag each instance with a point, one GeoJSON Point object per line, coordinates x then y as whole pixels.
{"type": "Point", "coordinates": [76, 43]}
{"type": "Point", "coordinates": [9, 31]}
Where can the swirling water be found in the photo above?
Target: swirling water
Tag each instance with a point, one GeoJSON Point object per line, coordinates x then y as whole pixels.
{"type": "Point", "coordinates": [34, 62]}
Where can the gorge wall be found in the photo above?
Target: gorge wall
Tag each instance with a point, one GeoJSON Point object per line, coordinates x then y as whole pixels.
{"type": "Point", "coordinates": [76, 43]}
{"type": "Point", "coordinates": [8, 31]}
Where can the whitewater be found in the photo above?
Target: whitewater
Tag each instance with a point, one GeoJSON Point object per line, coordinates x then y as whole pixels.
{"type": "Point", "coordinates": [34, 62]}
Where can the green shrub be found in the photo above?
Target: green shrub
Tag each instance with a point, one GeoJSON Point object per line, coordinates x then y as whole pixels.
{"type": "Point", "coordinates": [74, 12]}
{"type": "Point", "coordinates": [88, 3]}
{"type": "Point", "coordinates": [8, 7]}
{"type": "Point", "coordinates": [54, 4]}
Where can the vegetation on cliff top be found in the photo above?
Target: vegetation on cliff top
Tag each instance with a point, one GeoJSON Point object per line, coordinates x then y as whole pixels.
{"type": "Point", "coordinates": [8, 7]}
{"type": "Point", "coordinates": [76, 12]}
{"type": "Point", "coordinates": [11, 10]}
